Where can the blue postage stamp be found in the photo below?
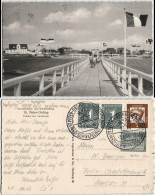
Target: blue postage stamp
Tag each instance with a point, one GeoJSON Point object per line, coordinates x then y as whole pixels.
{"type": "Point", "coordinates": [88, 115]}
{"type": "Point", "coordinates": [109, 111]}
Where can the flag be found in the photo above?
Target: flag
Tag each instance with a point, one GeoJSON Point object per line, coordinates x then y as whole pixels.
{"type": "Point", "coordinates": [51, 40]}
{"type": "Point", "coordinates": [104, 44]}
{"type": "Point", "coordinates": [150, 41]}
{"type": "Point", "coordinates": [45, 40]}
{"type": "Point", "coordinates": [136, 21]}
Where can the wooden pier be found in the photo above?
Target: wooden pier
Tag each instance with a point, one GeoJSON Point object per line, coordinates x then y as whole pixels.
{"type": "Point", "coordinates": [91, 82]}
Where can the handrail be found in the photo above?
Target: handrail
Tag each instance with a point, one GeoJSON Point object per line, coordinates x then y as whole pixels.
{"type": "Point", "coordinates": [142, 74]}
{"type": "Point", "coordinates": [67, 70]}
{"type": "Point", "coordinates": [129, 83]}
{"type": "Point", "coordinates": [14, 81]}
{"type": "Point", "coordinates": [114, 70]}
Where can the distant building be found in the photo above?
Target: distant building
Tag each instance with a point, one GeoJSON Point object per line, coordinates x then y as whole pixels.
{"type": "Point", "coordinates": [17, 49]}
{"type": "Point", "coordinates": [84, 51]}
{"type": "Point", "coordinates": [65, 50]}
{"type": "Point", "coordinates": [39, 49]}
{"type": "Point", "coordinates": [110, 51]}
{"type": "Point", "coordinates": [44, 47]}
{"type": "Point", "coordinates": [75, 51]}
{"type": "Point", "coordinates": [50, 52]}
{"type": "Point", "coordinates": [121, 51]}
{"type": "Point", "coordinates": [47, 43]}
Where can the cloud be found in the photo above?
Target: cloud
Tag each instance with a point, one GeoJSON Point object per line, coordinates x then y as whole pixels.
{"type": "Point", "coordinates": [13, 26]}
{"type": "Point", "coordinates": [132, 39]}
{"type": "Point", "coordinates": [27, 26]}
{"type": "Point", "coordinates": [17, 27]}
{"type": "Point", "coordinates": [116, 23]}
{"type": "Point", "coordinates": [88, 45]}
{"type": "Point", "coordinates": [65, 33]}
{"type": "Point", "coordinates": [101, 11]}
{"type": "Point", "coordinates": [75, 16]}
{"type": "Point", "coordinates": [70, 34]}
{"type": "Point", "coordinates": [116, 43]}
{"type": "Point", "coordinates": [136, 39]}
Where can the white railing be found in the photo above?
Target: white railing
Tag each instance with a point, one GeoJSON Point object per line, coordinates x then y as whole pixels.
{"type": "Point", "coordinates": [123, 77]}
{"type": "Point", "coordinates": [79, 55]}
{"type": "Point", "coordinates": [66, 71]}
{"type": "Point", "coordinates": [110, 55]}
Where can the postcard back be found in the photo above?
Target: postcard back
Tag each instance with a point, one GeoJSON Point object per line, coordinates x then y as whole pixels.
{"type": "Point", "coordinates": [77, 147]}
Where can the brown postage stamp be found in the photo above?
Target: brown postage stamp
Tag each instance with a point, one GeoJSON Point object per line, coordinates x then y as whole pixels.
{"type": "Point", "coordinates": [139, 113]}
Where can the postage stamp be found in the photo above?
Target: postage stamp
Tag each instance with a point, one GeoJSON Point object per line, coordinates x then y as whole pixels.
{"type": "Point", "coordinates": [123, 137]}
{"type": "Point", "coordinates": [139, 115]}
{"type": "Point", "coordinates": [140, 148]}
{"type": "Point", "coordinates": [85, 120]}
{"type": "Point", "coordinates": [88, 115]}
{"type": "Point", "coordinates": [110, 110]}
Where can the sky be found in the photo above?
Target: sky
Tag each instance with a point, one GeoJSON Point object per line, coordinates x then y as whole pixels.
{"type": "Point", "coordinates": [80, 25]}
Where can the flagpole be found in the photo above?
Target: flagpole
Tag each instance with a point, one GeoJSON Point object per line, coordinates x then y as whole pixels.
{"type": "Point", "coordinates": [125, 37]}
{"type": "Point", "coordinates": [124, 71]}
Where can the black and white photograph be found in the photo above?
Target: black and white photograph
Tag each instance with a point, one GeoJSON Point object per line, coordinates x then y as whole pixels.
{"type": "Point", "coordinates": [98, 49]}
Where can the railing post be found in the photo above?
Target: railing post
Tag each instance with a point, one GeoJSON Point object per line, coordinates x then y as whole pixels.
{"type": "Point", "coordinates": [71, 71]}
{"type": "Point", "coordinates": [113, 70]}
{"type": "Point", "coordinates": [129, 86]}
{"type": "Point", "coordinates": [118, 76]}
{"type": "Point", "coordinates": [123, 81]}
{"type": "Point", "coordinates": [110, 70]}
{"type": "Point", "coordinates": [41, 83]}
{"type": "Point", "coordinates": [108, 67]}
{"type": "Point", "coordinates": [62, 78]}
{"type": "Point", "coordinates": [68, 77]}
{"type": "Point", "coordinates": [74, 70]}
{"type": "Point", "coordinates": [17, 90]}
{"type": "Point", "coordinates": [140, 84]}
{"type": "Point", "coordinates": [54, 82]}
{"type": "Point", "coordinates": [78, 67]}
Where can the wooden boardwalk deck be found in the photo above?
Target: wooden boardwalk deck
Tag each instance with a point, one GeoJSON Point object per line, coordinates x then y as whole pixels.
{"type": "Point", "coordinates": [89, 82]}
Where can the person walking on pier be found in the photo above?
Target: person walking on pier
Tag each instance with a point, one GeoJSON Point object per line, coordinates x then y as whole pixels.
{"type": "Point", "coordinates": [92, 59]}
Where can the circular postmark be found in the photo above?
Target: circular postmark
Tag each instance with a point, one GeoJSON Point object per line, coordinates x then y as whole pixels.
{"type": "Point", "coordinates": [85, 120]}
{"type": "Point", "coordinates": [121, 134]}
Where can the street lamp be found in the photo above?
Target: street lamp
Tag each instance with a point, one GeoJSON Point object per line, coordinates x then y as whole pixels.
{"type": "Point", "coordinates": [104, 45]}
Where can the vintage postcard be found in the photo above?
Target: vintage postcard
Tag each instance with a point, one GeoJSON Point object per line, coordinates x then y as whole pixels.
{"type": "Point", "coordinates": [77, 48]}
{"type": "Point", "coordinates": [77, 147]}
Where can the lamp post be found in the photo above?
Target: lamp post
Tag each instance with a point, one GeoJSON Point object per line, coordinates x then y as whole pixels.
{"type": "Point", "coordinates": [104, 45]}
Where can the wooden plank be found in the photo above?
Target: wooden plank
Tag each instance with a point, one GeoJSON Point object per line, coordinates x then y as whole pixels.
{"type": "Point", "coordinates": [17, 90]}
{"type": "Point", "coordinates": [140, 84]}
{"type": "Point", "coordinates": [41, 84]}
{"type": "Point", "coordinates": [54, 82]}
{"type": "Point", "coordinates": [118, 75]}
{"type": "Point", "coordinates": [129, 86]}
{"type": "Point", "coordinates": [62, 78]}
